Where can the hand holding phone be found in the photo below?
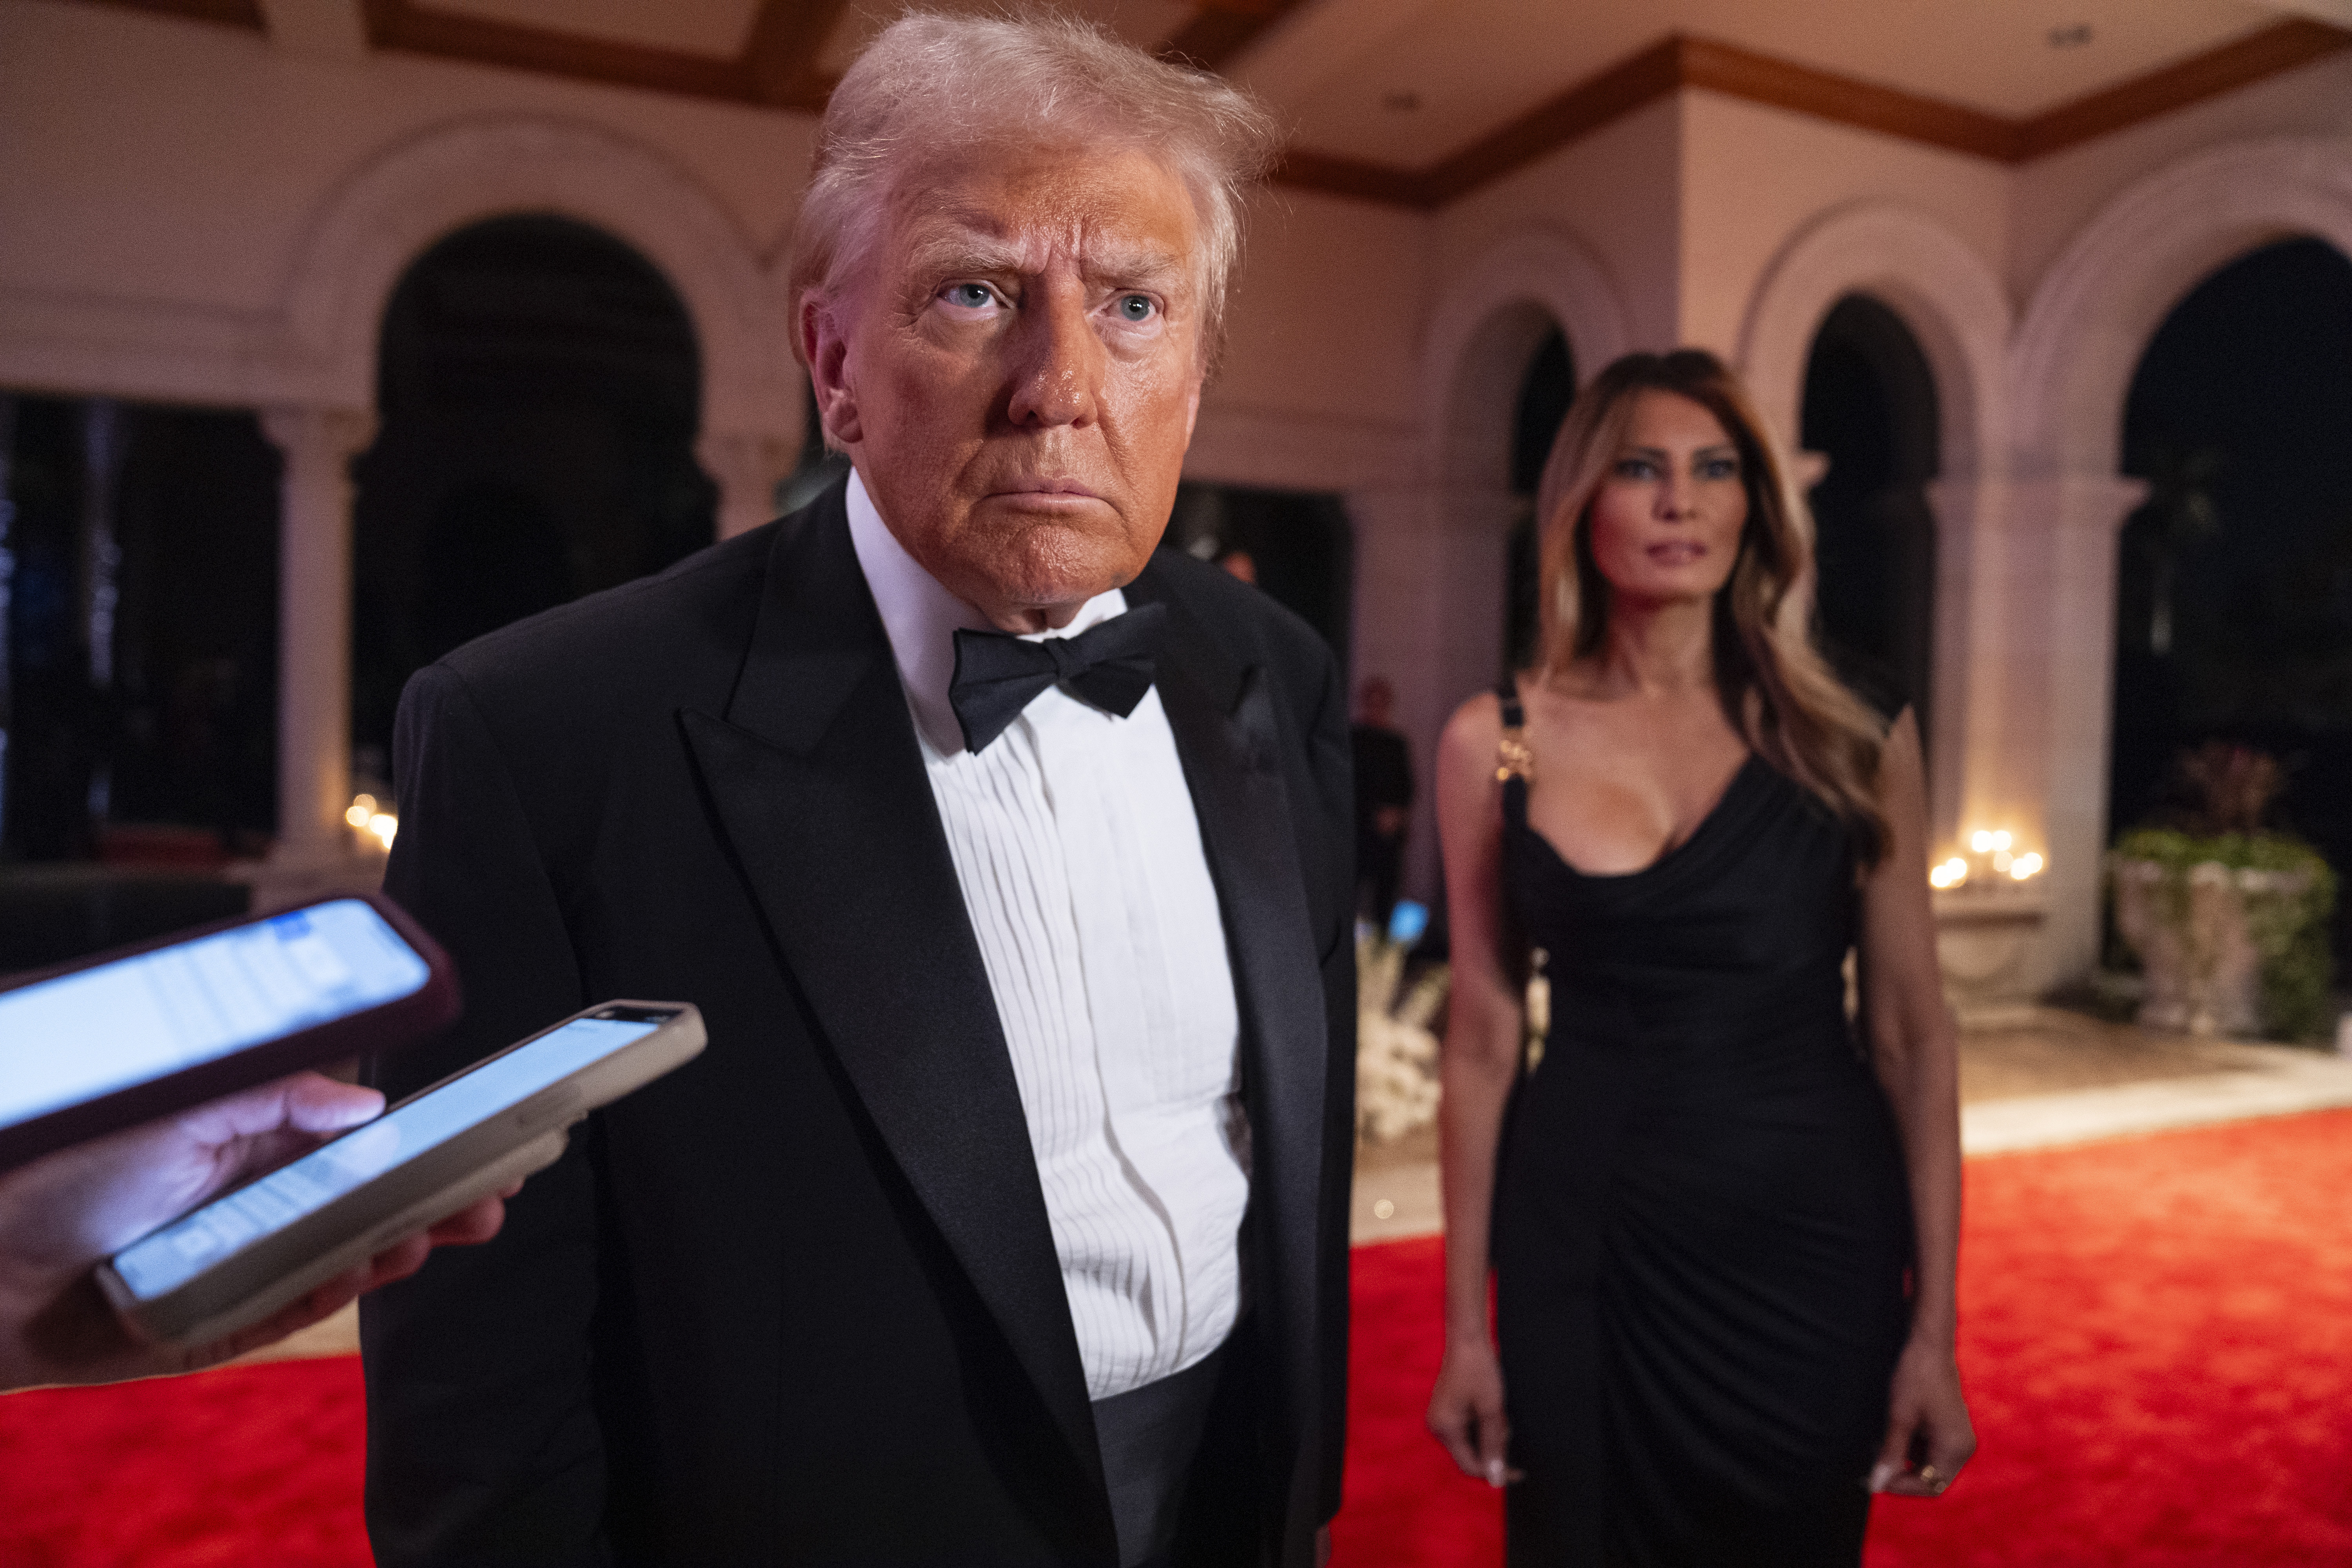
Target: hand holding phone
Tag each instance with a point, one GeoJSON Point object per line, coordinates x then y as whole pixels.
{"type": "Point", "coordinates": [246, 1255]}
{"type": "Point", "coordinates": [61, 1215]}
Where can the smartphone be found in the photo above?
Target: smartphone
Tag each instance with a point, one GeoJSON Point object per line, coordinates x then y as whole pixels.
{"type": "Point", "coordinates": [241, 1257]}
{"type": "Point", "coordinates": [138, 1033]}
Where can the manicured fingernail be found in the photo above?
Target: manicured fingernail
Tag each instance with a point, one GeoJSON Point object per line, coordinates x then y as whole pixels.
{"type": "Point", "coordinates": [1494, 1472]}
{"type": "Point", "coordinates": [1880, 1475]}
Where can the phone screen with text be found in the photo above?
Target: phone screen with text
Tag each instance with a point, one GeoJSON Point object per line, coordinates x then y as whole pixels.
{"type": "Point", "coordinates": [99, 1030]}
{"type": "Point", "coordinates": [167, 1259]}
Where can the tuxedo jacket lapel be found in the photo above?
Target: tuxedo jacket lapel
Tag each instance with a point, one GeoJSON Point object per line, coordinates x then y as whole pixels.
{"type": "Point", "coordinates": [1228, 737]}
{"type": "Point", "coordinates": [817, 779]}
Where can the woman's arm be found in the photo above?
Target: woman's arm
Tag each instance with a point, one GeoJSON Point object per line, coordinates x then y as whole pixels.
{"type": "Point", "coordinates": [1485, 1027]}
{"type": "Point", "coordinates": [1914, 1048]}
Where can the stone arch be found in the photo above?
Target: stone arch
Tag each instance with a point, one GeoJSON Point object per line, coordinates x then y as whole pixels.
{"type": "Point", "coordinates": [2095, 309]}
{"type": "Point", "coordinates": [1953, 306]}
{"type": "Point", "coordinates": [419, 191]}
{"type": "Point", "coordinates": [1490, 321]}
{"type": "Point", "coordinates": [2070, 370]}
{"type": "Point", "coordinates": [1431, 562]}
{"type": "Point", "coordinates": [1941, 290]}
{"type": "Point", "coordinates": [1487, 328]}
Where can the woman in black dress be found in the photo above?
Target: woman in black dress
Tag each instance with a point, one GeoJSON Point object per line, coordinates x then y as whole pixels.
{"type": "Point", "coordinates": [1721, 1217]}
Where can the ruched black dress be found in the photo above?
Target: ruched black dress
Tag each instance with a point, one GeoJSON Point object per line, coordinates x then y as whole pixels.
{"type": "Point", "coordinates": [1702, 1228]}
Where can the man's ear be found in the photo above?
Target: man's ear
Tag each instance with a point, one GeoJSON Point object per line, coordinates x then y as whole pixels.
{"type": "Point", "coordinates": [827, 352]}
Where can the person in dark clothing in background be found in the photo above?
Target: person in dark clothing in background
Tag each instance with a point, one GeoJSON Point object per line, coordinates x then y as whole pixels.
{"type": "Point", "coordinates": [1383, 800]}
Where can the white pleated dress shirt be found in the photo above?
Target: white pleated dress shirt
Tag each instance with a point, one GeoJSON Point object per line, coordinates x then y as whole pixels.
{"type": "Point", "coordinates": [1076, 843]}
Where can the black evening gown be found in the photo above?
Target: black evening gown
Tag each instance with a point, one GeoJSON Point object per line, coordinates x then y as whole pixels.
{"type": "Point", "coordinates": [1702, 1235]}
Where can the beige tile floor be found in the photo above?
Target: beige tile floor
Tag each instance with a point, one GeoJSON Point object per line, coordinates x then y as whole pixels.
{"type": "Point", "coordinates": [2053, 1078]}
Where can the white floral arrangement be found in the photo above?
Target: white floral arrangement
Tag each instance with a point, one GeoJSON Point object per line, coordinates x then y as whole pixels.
{"type": "Point", "coordinates": [1396, 1050]}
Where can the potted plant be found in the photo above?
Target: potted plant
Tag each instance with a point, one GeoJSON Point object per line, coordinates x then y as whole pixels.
{"type": "Point", "coordinates": [2229, 920]}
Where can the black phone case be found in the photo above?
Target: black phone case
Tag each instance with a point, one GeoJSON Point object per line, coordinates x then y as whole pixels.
{"type": "Point", "coordinates": [431, 1008]}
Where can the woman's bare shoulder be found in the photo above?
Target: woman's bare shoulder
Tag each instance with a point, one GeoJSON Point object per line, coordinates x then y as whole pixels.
{"type": "Point", "coordinates": [1475, 728]}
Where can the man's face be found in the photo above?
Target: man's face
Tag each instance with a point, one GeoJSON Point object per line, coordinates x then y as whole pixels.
{"type": "Point", "coordinates": [1016, 373]}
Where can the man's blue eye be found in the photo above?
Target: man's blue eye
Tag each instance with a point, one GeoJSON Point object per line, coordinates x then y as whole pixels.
{"type": "Point", "coordinates": [971, 296]}
{"type": "Point", "coordinates": [1135, 306]}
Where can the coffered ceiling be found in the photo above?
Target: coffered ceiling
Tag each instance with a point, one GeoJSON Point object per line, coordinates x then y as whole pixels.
{"type": "Point", "coordinates": [1417, 102]}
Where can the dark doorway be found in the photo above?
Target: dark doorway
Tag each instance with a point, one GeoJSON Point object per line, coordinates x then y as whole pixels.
{"type": "Point", "coordinates": [1545, 394]}
{"type": "Point", "coordinates": [1870, 407]}
{"type": "Point", "coordinates": [1294, 544]}
{"type": "Point", "coordinates": [138, 590]}
{"type": "Point", "coordinates": [2233, 593]}
{"type": "Point", "coordinates": [138, 668]}
{"type": "Point", "coordinates": [540, 389]}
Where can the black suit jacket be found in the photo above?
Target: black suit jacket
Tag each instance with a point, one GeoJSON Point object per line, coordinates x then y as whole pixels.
{"type": "Point", "coordinates": [798, 1301]}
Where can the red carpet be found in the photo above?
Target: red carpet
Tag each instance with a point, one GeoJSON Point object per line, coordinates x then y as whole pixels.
{"type": "Point", "coordinates": [254, 1466]}
{"type": "Point", "coordinates": [2157, 1333]}
{"type": "Point", "coordinates": [2157, 1338]}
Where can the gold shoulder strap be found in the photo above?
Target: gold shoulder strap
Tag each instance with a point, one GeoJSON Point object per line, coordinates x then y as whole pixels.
{"type": "Point", "coordinates": [1512, 758]}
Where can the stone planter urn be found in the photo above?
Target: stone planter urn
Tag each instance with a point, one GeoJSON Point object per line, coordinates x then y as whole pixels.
{"type": "Point", "coordinates": [1984, 943]}
{"type": "Point", "coordinates": [2195, 934]}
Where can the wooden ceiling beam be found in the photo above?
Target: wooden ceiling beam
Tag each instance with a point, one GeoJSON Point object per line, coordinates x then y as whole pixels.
{"type": "Point", "coordinates": [2276, 48]}
{"type": "Point", "coordinates": [1687, 62]}
{"type": "Point", "coordinates": [227, 13]}
{"type": "Point", "coordinates": [1841, 99]}
{"type": "Point", "coordinates": [399, 24]}
{"type": "Point", "coordinates": [778, 68]}
{"type": "Point", "coordinates": [781, 56]}
{"type": "Point", "coordinates": [1574, 114]}
{"type": "Point", "coordinates": [1219, 29]}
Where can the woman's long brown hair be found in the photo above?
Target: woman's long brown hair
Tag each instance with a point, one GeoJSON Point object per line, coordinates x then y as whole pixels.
{"type": "Point", "coordinates": [1777, 689]}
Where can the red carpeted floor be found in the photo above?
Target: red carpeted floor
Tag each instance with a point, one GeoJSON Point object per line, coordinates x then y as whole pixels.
{"type": "Point", "coordinates": [2157, 1335]}
{"type": "Point", "coordinates": [251, 1466]}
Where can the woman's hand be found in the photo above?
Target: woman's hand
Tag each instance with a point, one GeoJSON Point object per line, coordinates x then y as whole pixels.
{"type": "Point", "coordinates": [1465, 1412]}
{"type": "Point", "coordinates": [1926, 1414]}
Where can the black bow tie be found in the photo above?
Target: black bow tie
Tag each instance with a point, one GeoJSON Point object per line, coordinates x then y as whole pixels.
{"type": "Point", "coordinates": [996, 675]}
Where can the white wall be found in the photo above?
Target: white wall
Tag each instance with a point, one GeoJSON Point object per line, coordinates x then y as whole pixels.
{"type": "Point", "coordinates": [1315, 390]}
{"type": "Point", "coordinates": [1615, 192]}
{"type": "Point", "coordinates": [158, 160]}
{"type": "Point", "coordinates": [1753, 176]}
{"type": "Point", "coordinates": [2059, 195]}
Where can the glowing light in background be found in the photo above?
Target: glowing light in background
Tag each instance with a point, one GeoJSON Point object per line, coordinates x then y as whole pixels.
{"type": "Point", "coordinates": [364, 816]}
{"type": "Point", "coordinates": [1988, 856]}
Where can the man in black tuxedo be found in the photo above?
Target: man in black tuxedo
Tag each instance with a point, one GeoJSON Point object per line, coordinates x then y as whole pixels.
{"type": "Point", "coordinates": [1004, 1219]}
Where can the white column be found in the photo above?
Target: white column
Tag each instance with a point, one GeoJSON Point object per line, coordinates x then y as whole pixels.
{"type": "Point", "coordinates": [1962, 752]}
{"type": "Point", "coordinates": [2057, 573]}
{"type": "Point", "coordinates": [314, 631]}
{"type": "Point", "coordinates": [1429, 617]}
{"type": "Point", "coordinates": [747, 465]}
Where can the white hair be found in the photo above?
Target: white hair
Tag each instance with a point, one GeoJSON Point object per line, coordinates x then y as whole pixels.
{"type": "Point", "coordinates": [932, 82]}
